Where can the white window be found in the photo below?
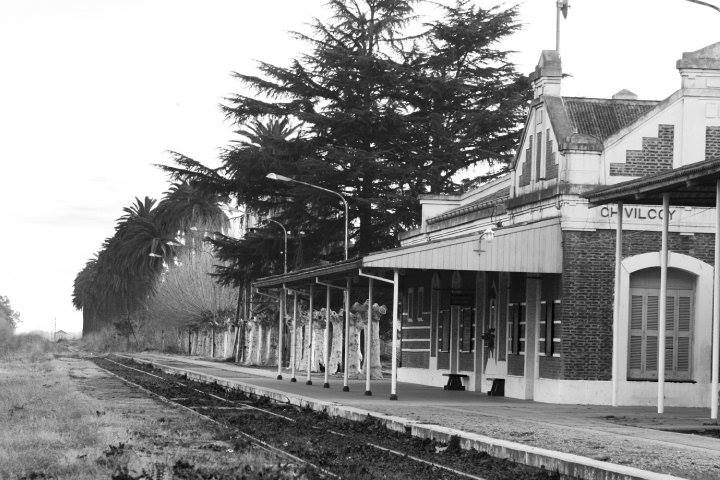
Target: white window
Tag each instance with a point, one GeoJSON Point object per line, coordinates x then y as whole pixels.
{"type": "Point", "coordinates": [549, 339]}
{"type": "Point", "coordinates": [516, 328]}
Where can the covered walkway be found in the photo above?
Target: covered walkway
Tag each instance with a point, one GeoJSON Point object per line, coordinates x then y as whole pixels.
{"type": "Point", "coordinates": [694, 185]}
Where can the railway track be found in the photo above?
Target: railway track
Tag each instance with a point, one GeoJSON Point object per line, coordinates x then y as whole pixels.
{"type": "Point", "coordinates": [330, 447]}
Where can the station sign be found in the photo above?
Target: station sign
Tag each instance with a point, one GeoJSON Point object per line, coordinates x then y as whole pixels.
{"type": "Point", "coordinates": [636, 212]}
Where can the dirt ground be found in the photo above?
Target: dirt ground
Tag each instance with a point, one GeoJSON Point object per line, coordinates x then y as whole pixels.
{"type": "Point", "coordinates": [63, 418]}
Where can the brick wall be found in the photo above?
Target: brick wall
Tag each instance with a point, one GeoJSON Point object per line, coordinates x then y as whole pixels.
{"type": "Point", "coordinates": [550, 367]}
{"type": "Point", "coordinates": [516, 365]}
{"type": "Point", "coordinates": [538, 155]}
{"type": "Point", "coordinates": [587, 295]}
{"type": "Point", "coordinates": [551, 164]}
{"type": "Point", "coordinates": [656, 155]}
{"type": "Point", "coordinates": [416, 359]}
{"type": "Point", "coordinates": [526, 165]}
{"type": "Point", "coordinates": [712, 143]}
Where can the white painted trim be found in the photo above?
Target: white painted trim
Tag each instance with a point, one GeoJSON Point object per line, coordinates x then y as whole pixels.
{"type": "Point", "coordinates": [678, 394]}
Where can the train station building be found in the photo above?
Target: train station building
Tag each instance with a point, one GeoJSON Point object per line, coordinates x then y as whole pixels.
{"type": "Point", "coordinates": [516, 288]}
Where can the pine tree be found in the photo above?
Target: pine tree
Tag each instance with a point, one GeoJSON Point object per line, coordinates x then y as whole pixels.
{"type": "Point", "coordinates": [380, 114]}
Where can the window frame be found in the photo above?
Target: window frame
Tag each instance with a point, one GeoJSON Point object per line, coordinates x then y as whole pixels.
{"type": "Point", "coordinates": [672, 373]}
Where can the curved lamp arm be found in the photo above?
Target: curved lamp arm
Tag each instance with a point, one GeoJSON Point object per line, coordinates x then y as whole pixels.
{"type": "Point", "coordinates": [282, 178]}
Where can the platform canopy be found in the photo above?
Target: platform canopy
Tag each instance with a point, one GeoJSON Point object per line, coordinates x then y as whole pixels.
{"type": "Point", "coordinates": [689, 186]}
{"type": "Point", "coordinates": [330, 271]}
{"type": "Point", "coordinates": [534, 248]}
{"type": "Point", "coordinates": [694, 185]}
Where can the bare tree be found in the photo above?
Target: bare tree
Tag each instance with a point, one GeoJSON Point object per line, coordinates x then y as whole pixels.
{"type": "Point", "coordinates": [188, 296]}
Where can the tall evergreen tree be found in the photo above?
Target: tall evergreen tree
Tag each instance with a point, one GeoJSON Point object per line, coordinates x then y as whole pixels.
{"type": "Point", "coordinates": [382, 114]}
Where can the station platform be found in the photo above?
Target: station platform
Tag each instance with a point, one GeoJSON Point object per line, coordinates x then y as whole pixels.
{"type": "Point", "coordinates": [628, 437]}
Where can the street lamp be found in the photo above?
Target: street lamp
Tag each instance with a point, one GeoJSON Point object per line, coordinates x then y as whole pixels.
{"type": "Point", "coordinates": [285, 239]}
{"type": "Point", "coordinates": [705, 4]}
{"type": "Point", "coordinates": [282, 178]}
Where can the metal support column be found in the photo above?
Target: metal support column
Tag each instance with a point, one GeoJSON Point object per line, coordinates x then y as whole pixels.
{"type": "Point", "coordinates": [327, 338]}
{"type": "Point", "coordinates": [308, 380]}
{"type": "Point", "coordinates": [368, 337]}
{"type": "Point", "coordinates": [393, 381]}
{"type": "Point", "coordinates": [346, 366]}
{"type": "Point", "coordinates": [293, 339]}
{"type": "Point", "coordinates": [281, 321]}
{"type": "Point", "coordinates": [616, 313]}
{"type": "Point", "coordinates": [662, 314]}
{"type": "Point", "coordinates": [716, 312]}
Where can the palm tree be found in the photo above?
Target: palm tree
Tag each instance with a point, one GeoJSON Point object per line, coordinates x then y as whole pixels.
{"type": "Point", "coordinates": [114, 287]}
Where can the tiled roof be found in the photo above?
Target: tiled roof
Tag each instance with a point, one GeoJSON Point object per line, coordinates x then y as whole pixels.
{"type": "Point", "coordinates": [601, 118]}
{"type": "Point", "coordinates": [477, 205]}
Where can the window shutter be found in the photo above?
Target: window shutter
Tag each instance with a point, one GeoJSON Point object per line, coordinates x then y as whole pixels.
{"type": "Point", "coordinates": [521, 328]}
{"type": "Point", "coordinates": [544, 340]}
{"type": "Point", "coordinates": [516, 329]}
{"type": "Point", "coordinates": [555, 332]}
{"type": "Point", "coordinates": [635, 361]}
{"type": "Point", "coordinates": [670, 313]}
{"type": "Point", "coordinates": [461, 335]}
{"type": "Point", "coordinates": [411, 305]}
{"type": "Point", "coordinates": [670, 336]}
{"type": "Point", "coordinates": [635, 354]}
{"type": "Point", "coordinates": [636, 317]}
{"type": "Point", "coordinates": [511, 333]}
{"type": "Point", "coordinates": [683, 335]}
{"type": "Point", "coordinates": [683, 357]}
{"type": "Point", "coordinates": [420, 304]}
{"type": "Point", "coordinates": [684, 313]}
{"type": "Point", "coordinates": [651, 353]}
{"type": "Point", "coordinates": [653, 307]}
{"type": "Point", "coordinates": [441, 332]}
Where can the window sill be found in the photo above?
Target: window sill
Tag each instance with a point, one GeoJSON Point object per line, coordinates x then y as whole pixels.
{"type": "Point", "coordinates": [654, 380]}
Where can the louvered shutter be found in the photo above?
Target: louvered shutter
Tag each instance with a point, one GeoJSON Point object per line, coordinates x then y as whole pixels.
{"type": "Point", "coordinates": [684, 330]}
{"type": "Point", "coordinates": [542, 342]}
{"type": "Point", "coordinates": [651, 340]}
{"type": "Point", "coordinates": [669, 336]}
{"type": "Point", "coordinates": [635, 357]}
{"type": "Point", "coordinates": [521, 328]}
{"type": "Point", "coordinates": [512, 328]}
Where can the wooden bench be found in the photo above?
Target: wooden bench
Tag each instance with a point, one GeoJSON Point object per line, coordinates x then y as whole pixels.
{"type": "Point", "coordinates": [454, 381]}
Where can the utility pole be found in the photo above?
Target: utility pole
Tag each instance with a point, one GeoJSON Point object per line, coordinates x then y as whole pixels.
{"type": "Point", "coordinates": [562, 8]}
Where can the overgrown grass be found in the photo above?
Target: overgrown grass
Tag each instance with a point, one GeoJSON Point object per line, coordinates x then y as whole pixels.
{"type": "Point", "coordinates": [62, 418]}
{"type": "Point", "coordinates": [27, 347]}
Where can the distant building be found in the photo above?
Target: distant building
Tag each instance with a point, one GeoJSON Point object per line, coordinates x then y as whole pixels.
{"type": "Point", "coordinates": [62, 335]}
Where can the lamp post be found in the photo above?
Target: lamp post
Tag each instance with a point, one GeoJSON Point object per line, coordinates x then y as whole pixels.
{"type": "Point", "coordinates": [283, 296]}
{"type": "Point", "coordinates": [285, 240]}
{"type": "Point", "coordinates": [281, 178]}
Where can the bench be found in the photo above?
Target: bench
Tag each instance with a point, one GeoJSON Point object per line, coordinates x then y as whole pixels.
{"type": "Point", "coordinates": [454, 381]}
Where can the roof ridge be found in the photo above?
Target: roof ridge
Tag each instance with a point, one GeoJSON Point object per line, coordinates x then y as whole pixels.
{"type": "Point", "coordinates": [613, 100]}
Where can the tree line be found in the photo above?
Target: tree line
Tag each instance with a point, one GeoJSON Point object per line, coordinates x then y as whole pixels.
{"type": "Point", "coordinates": [381, 107]}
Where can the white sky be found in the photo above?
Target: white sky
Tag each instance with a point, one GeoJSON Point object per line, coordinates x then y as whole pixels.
{"type": "Point", "coordinates": [93, 92]}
